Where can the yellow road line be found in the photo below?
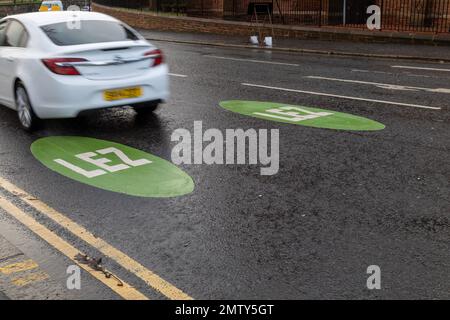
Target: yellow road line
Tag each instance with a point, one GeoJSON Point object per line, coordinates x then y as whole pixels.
{"type": "Point", "coordinates": [125, 291]}
{"type": "Point", "coordinates": [30, 278]}
{"type": "Point", "coordinates": [149, 277]}
{"type": "Point", "coordinates": [19, 267]}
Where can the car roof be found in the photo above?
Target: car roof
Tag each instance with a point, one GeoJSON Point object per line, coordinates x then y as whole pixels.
{"type": "Point", "coordinates": [45, 18]}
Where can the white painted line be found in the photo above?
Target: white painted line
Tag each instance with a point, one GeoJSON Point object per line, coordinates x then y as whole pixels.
{"type": "Point", "coordinates": [177, 75]}
{"type": "Point", "coordinates": [252, 60]}
{"type": "Point", "coordinates": [384, 85]}
{"type": "Point", "coordinates": [341, 97]}
{"type": "Point", "coordinates": [419, 75]}
{"type": "Point", "coordinates": [408, 74]}
{"type": "Point", "coordinates": [421, 68]}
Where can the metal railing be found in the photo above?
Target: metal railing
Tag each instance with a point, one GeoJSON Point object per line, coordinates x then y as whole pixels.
{"type": "Point", "coordinates": [396, 15]}
{"type": "Point", "coordinates": [413, 15]}
{"type": "Point", "coordinates": [10, 7]}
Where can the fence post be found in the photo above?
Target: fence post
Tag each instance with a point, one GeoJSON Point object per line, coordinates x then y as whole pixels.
{"type": "Point", "coordinates": [320, 13]}
{"type": "Point", "coordinates": [344, 13]}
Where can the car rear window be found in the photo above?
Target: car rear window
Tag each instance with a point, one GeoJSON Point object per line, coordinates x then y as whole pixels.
{"type": "Point", "coordinates": [88, 31]}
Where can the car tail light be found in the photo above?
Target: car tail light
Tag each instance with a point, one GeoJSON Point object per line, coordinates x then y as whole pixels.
{"type": "Point", "coordinates": [62, 65]}
{"type": "Point", "coordinates": [157, 56]}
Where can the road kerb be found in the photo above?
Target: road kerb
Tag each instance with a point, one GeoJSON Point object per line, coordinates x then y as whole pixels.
{"type": "Point", "coordinates": [308, 51]}
{"type": "Point", "coordinates": [124, 290]}
{"type": "Point", "coordinates": [149, 277]}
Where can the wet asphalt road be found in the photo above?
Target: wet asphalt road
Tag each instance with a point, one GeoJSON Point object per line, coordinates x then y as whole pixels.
{"type": "Point", "coordinates": [341, 201]}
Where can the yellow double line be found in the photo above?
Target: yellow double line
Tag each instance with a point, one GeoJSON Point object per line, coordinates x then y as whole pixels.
{"type": "Point", "coordinates": [126, 291]}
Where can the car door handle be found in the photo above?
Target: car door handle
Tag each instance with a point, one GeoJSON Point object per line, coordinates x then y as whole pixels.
{"type": "Point", "coordinates": [10, 59]}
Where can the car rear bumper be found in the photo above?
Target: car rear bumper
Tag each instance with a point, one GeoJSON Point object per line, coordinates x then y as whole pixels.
{"type": "Point", "coordinates": [68, 96]}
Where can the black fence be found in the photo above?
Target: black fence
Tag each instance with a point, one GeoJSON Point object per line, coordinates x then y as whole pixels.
{"type": "Point", "coordinates": [15, 7]}
{"type": "Point", "coordinates": [395, 15]}
{"type": "Point", "coordinates": [422, 16]}
{"type": "Point", "coordinates": [398, 15]}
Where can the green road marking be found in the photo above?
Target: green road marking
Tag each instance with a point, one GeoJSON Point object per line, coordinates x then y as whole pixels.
{"type": "Point", "coordinates": [304, 116]}
{"type": "Point", "coordinates": [112, 166]}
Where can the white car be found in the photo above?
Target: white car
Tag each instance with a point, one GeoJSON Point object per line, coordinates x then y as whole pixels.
{"type": "Point", "coordinates": [55, 66]}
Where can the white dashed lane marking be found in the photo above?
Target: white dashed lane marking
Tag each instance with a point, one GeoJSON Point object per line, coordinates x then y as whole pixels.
{"type": "Point", "coordinates": [341, 96]}
{"type": "Point", "coordinates": [384, 85]}
{"type": "Point", "coordinates": [253, 61]}
{"type": "Point", "coordinates": [421, 68]}
{"type": "Point", "coordinates": [178, 75]}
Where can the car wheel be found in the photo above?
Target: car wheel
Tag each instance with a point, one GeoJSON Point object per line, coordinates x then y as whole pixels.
{"type": "Point", "coordinates": [145, 108]}
{"type": "Point", "coordinates": [27, 118]}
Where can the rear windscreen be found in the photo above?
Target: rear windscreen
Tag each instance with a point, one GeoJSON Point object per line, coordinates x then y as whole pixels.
{"type": "Point", "coordinates": [87, 31]}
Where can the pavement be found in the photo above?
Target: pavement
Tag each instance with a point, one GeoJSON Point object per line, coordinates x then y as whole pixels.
{"type": "Point", "coordinates": [341, 201]}
{"type": "Point", "coordinates": [422, 52]}
{"type": "Point", "coordinates": [3, 296]}
{"type": "Point", "coordinates": [32, 270]}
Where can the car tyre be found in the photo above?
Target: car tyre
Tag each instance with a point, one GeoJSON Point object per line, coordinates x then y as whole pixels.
{"type": "Point", "coordinates": [145, 108]}
{"type": "Point", "coordinates": [27, 118]}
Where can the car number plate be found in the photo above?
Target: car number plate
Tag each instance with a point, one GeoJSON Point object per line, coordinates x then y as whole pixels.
{"type": "Point", "coordinates": [120, 94]}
